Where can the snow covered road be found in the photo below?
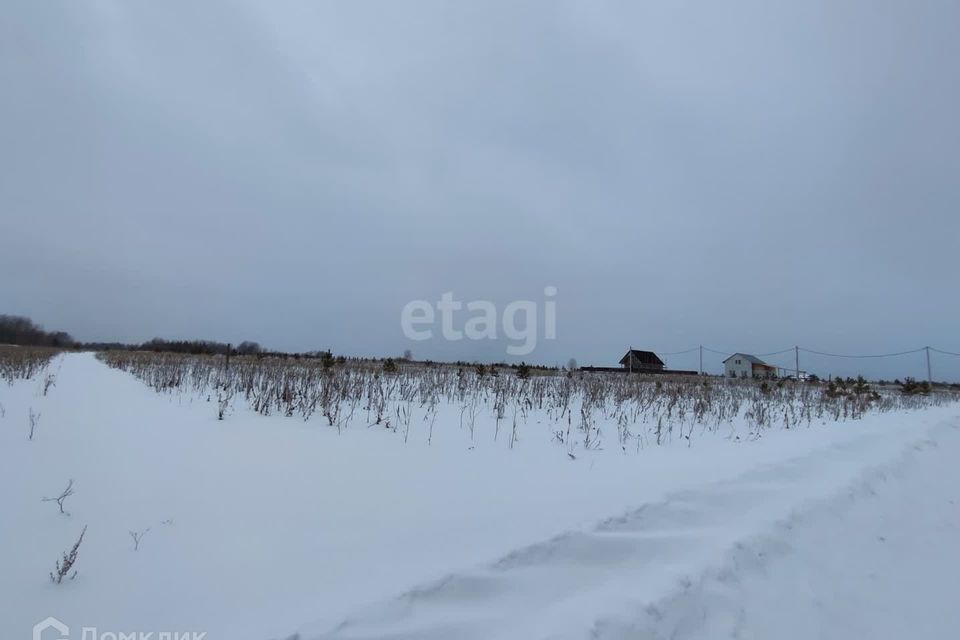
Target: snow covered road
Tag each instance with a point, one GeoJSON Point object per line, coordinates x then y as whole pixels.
{"type": "Point", "coordinates": [818, 547]}
{"type": "Point", "coordinates": [880, 560]}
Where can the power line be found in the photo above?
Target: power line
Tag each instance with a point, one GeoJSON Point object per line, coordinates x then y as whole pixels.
{"type": "Point", "coordinates": [677, 353]}
{"type": "Point", "coordinates": [796, 351]}
{"type": "Point", "coordinates": [776, 353]}
{"type": "Point", "coordinates": [873, 355]}
{"type": "Point", "coordinates": [722, 353]}
{"type": "Point", "coordinates": [946, 353]}
{"type": "Point", "coordinates": [728, 353]}
{"type": "Point", "coordinates": [814, 352]}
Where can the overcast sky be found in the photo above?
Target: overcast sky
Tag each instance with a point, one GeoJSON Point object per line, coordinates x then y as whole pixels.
{"type": "Point", "coordinates": [745, 175]}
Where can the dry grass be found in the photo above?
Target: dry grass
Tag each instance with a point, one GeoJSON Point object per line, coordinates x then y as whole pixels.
{"type": "Point", "coordinates": [579, 408]}
{"type": "Point", "coordinates": [20, 363]}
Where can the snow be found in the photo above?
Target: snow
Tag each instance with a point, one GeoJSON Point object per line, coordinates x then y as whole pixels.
{"type": "Point", "coordinates": [262, 527]}
{"type": "Point", "coordinates": [879, 560]}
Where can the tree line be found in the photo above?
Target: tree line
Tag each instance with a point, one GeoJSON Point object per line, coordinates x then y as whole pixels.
{"type": "Point", "coordinates": [23, 332]}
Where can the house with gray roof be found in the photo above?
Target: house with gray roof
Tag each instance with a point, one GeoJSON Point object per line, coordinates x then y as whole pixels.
{"type": "Point", "coordinates": [744, 365]}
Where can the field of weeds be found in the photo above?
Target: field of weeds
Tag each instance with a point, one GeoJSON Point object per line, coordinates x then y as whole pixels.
{"type": "Point", "coordinates": [22, 363]}
{"type": "Point", "coordinates": [578, 410]}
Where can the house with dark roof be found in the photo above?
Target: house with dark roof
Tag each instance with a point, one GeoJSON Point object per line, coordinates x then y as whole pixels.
{"type": "Point", "coordinates": [744, 365]}
{"type": "Point", "coordinates": [640, 361]}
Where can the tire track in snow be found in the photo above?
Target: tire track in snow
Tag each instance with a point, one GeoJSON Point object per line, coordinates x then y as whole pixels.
{"type": "Point", "coordinates": [651, 572]}
{"type": "Point", "coordinates": [719, 603]}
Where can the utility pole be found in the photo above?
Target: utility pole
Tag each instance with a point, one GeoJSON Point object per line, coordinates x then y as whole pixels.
{"type": "Point", "coordinates": [701, 359]}
{"type": "Point", "coordinates": [796, 354]}
{"type": "Point", "coordinates": [929, 375]}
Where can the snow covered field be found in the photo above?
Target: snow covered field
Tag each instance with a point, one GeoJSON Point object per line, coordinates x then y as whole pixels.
{"type": "Point", "coordinates": [260, 527]}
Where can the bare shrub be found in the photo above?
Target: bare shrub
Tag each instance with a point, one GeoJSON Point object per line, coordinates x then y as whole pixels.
{"type": "Point", "coordinates": [34, 419]}
{"type": "Point", "coordinates": [65, 564]}
{"type": "Point", "coordinates": [49, 382]}
{"type": "Point", "coordinates": [66, 493]}
{"type": "Point", "coordinates": [137, 536]}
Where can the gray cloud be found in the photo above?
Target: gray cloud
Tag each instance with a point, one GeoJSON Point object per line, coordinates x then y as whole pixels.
{"type": "Point", "coordinates": [750, 175]}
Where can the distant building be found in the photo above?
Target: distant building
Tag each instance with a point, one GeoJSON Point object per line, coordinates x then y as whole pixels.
{"type": "Point", "coordinates": [743, 365]}
{"type": "Point", "coordinates": [641, 361]}
{"type": "Point", "coordinates": [636, 361]}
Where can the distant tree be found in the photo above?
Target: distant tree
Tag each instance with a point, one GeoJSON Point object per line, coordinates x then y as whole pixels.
{"type": "Point", "coordinates": [154, 344]}
{"type": "Point", "coordinates": [572, 364]}
{"type": "Point", "coordinates": [407, 355]}
{"type": "Point", "coordinates": [327, 359]}
{"type": "Point", "coordinates": [22, 331]}
{"type": "Point", "coordinates": [195, 347]}
{"type": "Point", "coordinates": [389, 366]}
{"type": "Point", "coordinates": [523, 371]}
{"type": "Point", "coordinates": [61, 339]}
{"type": "Point", "coordinates": [911, 387]}
{"type": "Point", "coordinates": [248, 348]}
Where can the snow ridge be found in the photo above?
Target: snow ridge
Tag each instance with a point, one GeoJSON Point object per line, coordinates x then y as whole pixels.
{"type": "Point", "coordinates": [665, 570]}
